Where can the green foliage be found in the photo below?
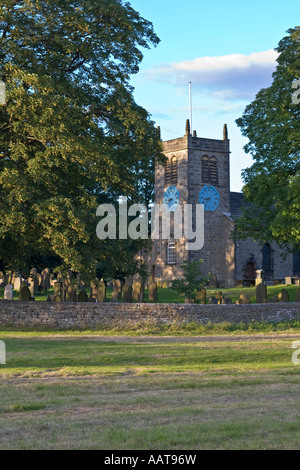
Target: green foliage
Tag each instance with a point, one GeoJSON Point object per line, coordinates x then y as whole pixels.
{"type": "Point", "coordinates": [192, 281]}
{"type": "Point", "coordinates": [72, 136]}
{"type": "Point", "coordinates": [272, 125]}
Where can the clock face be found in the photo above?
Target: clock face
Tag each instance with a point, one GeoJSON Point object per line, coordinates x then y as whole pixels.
{"type": "Point", "coordinates": [210, 198]}
{"type": "Point", "coordinates": [171, 199]}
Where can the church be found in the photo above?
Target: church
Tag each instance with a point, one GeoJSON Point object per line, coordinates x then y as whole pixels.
{"type": "Point", "coordinates": [199, 169]}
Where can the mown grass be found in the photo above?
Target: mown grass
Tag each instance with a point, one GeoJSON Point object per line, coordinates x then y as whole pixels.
{"type": "Point", "coordinates": [149, 393]}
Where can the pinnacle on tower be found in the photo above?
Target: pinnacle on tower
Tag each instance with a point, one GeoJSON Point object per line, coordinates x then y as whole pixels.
{"type": "Point", "coordinates": [194, 133]}
{"type": "Point", "coordinates": [187, 127]}
{"type": "Point", "coordinates": [158, 132]}
{"type": "Point", "coordinates": [225, 132]}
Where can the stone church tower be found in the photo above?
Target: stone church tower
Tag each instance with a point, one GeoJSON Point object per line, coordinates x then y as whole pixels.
{"type": "Point", "coordinates": [198, 170]}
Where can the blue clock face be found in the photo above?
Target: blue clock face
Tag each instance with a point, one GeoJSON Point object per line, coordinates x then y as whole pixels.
{"type": "Point", "coordinates": [210, 198]}
{"type": "Point", "coordinates": [171, 198]}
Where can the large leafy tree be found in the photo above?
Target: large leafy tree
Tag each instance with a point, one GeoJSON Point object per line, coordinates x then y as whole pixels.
{"type": "Point", "coordinates": [72, 135]}
{"type": "Point", "coordinates": [272, 125]}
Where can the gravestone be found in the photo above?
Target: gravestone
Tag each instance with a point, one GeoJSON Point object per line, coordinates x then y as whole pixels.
{"type": "Point", "coordinates": [297, 282]}
{"type": "Point", "coordinates": [261, 294]}
{"type": "Point", "coordinates": [213, 281]}
{"type": "Point", "coordinates": [9, 292]}
{"type": "Point", "coordinates": [213, 301]}
{"type": "Point", "coordinates": [117, 292]}
{"type": "Point", "coordinates": [152, 291]}
{"type": "Point", "coordinates": [297, 295]}
{"type": "Point", "coordinates": [94, 289]}
{"type": "Point", "coordinates": [127, 293]}
{"type": "Point", "coordinates": [52, 280]}
{"type": "Point", "coordinates": [259, 277]}
{"type": "Point", "coordinates": [283, 296]}
{"type": "Point", "coordinates": [40, 281]}
{"type": "Point", "coordinates": [244, 299]}
{"type": "Point", "coordinates": [57, 288]}
{"type": "Point", "coordinates": [33, 280]}
{"type": "Point", "coordinates": [17, 281]}
{"type": "Point", "coordinates": [220, 297]}
{"type": "Point", "coordinates": [82, 296]}
{"type": "Point", "coordinates": [24, 294]}
{"type": "Point", "coordinates": [101, 291]}
{"type": "Point", "coordinates": [31, 290]}
{"type": "Point", "coordinates": [138, 291]}
{"type": "Point", "coordinates": [288, 281]}
{"type": "Point", "coordinates": [201, 296]}
{"type": "Point", "coordinates": [45, 279]}
{"type": "Point", "coordinates": [71, 294]}
{"type": "Point", "coordinates": [57, 298]}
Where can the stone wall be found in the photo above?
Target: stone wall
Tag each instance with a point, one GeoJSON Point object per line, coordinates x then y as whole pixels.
{"type": "Point", "coordinates": [92, 315]}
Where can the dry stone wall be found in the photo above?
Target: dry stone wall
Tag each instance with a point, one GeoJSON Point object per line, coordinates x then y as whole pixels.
{"type": "Point", "coordinates": [96, 315]}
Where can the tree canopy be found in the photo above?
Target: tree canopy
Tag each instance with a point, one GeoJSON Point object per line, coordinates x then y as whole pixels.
{"type": "Point", "coordinates": [72, 135]}
{"type": "Point", "coordinates": [272, 125]}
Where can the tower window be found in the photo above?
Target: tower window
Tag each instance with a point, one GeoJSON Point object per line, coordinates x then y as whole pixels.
{"type": "Point", "coordinates": [171, 171]}
{"type": "Point", "coordinates": [209, 170]}
{"type": "Point", "coordinates": [171, 252]}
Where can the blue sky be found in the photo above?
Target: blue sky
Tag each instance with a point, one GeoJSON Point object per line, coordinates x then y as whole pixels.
{"type": "Point", "coordinates": [226, 48]}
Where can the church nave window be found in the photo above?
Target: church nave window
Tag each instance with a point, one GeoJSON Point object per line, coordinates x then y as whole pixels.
{"type": "Point", "coordinates": [171, 251]}
{"type": "Point", "coordinates": [171, 171]}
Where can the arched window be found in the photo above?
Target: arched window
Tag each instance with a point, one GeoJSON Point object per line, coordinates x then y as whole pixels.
{"type": "Point", "coordinates": [209, 170]}
{"type": "Point", "coordinates": [205, 169]}
{"type": "Point", "coordinates": [213, 170]}
{"type": "Point", "coordinates": [174, 170]}
{"type": "Point", "coordinates": [171, 251]}
{"type": "Point", "coordinates": [171, 171]}
{"type": "Point", "coordinates": [266, 258]}
{"type": "Point", "coordinates": [250, 271]}
{"type": "Point", "coordinates": [296, 263]}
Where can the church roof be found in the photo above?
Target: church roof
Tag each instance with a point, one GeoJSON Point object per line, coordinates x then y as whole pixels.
{"type": "Point", "coordinates": [236, 203]}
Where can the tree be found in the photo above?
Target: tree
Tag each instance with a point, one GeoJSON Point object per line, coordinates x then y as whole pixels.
{"type": "Point", "coordinates": [72, 135]}
{"type": "Point", "coordinates": [272, 125]}
{"type": "Point", "coordinates": [192, 281]}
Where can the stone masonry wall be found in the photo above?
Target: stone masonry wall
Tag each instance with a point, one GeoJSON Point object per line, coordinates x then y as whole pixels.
{"type": "Point", "coordinates": [93, 315]}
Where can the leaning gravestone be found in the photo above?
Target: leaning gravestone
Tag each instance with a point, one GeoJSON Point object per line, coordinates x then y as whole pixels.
{"type": "Point", "coordinates": [117, 293]}
{"type": "Point", "coordinates": [283, 296]}
{"type": "Point", "coordinates": [261, 294]}
{"type": "Point", "coordinates": [297, 295]}
{"type": "Point", "coordinates": [24, 294]}
{"type": "Point", "coordinates": [152, 291]}
{"type": "Point", "coordinates": [127, 293]}
{"type": "Point", "coordinates": [201, 296]}
{"type": "Point", "coordinates": [71, 294]}
{"type": "Point", "coordinates": [101, 291]}
{"type": "Point", "coordinates": [138, 292]}
{"type": "Point", "coordinates": [244, 299]}
{"type": "Point", "coordinates": [82, 296]}
{"type": "Point", "coordinates": [9, 292]}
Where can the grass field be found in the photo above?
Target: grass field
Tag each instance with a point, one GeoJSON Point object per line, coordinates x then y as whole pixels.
{"type": "Point", "coordinates": [78, 391]}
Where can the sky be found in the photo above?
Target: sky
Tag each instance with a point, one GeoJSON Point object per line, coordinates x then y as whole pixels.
{"type": "Point", "coordinates": [226, 49]}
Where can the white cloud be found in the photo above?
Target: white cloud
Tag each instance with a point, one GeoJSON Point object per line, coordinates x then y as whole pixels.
{"type": "Point", "coordinates": [229, 77]}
